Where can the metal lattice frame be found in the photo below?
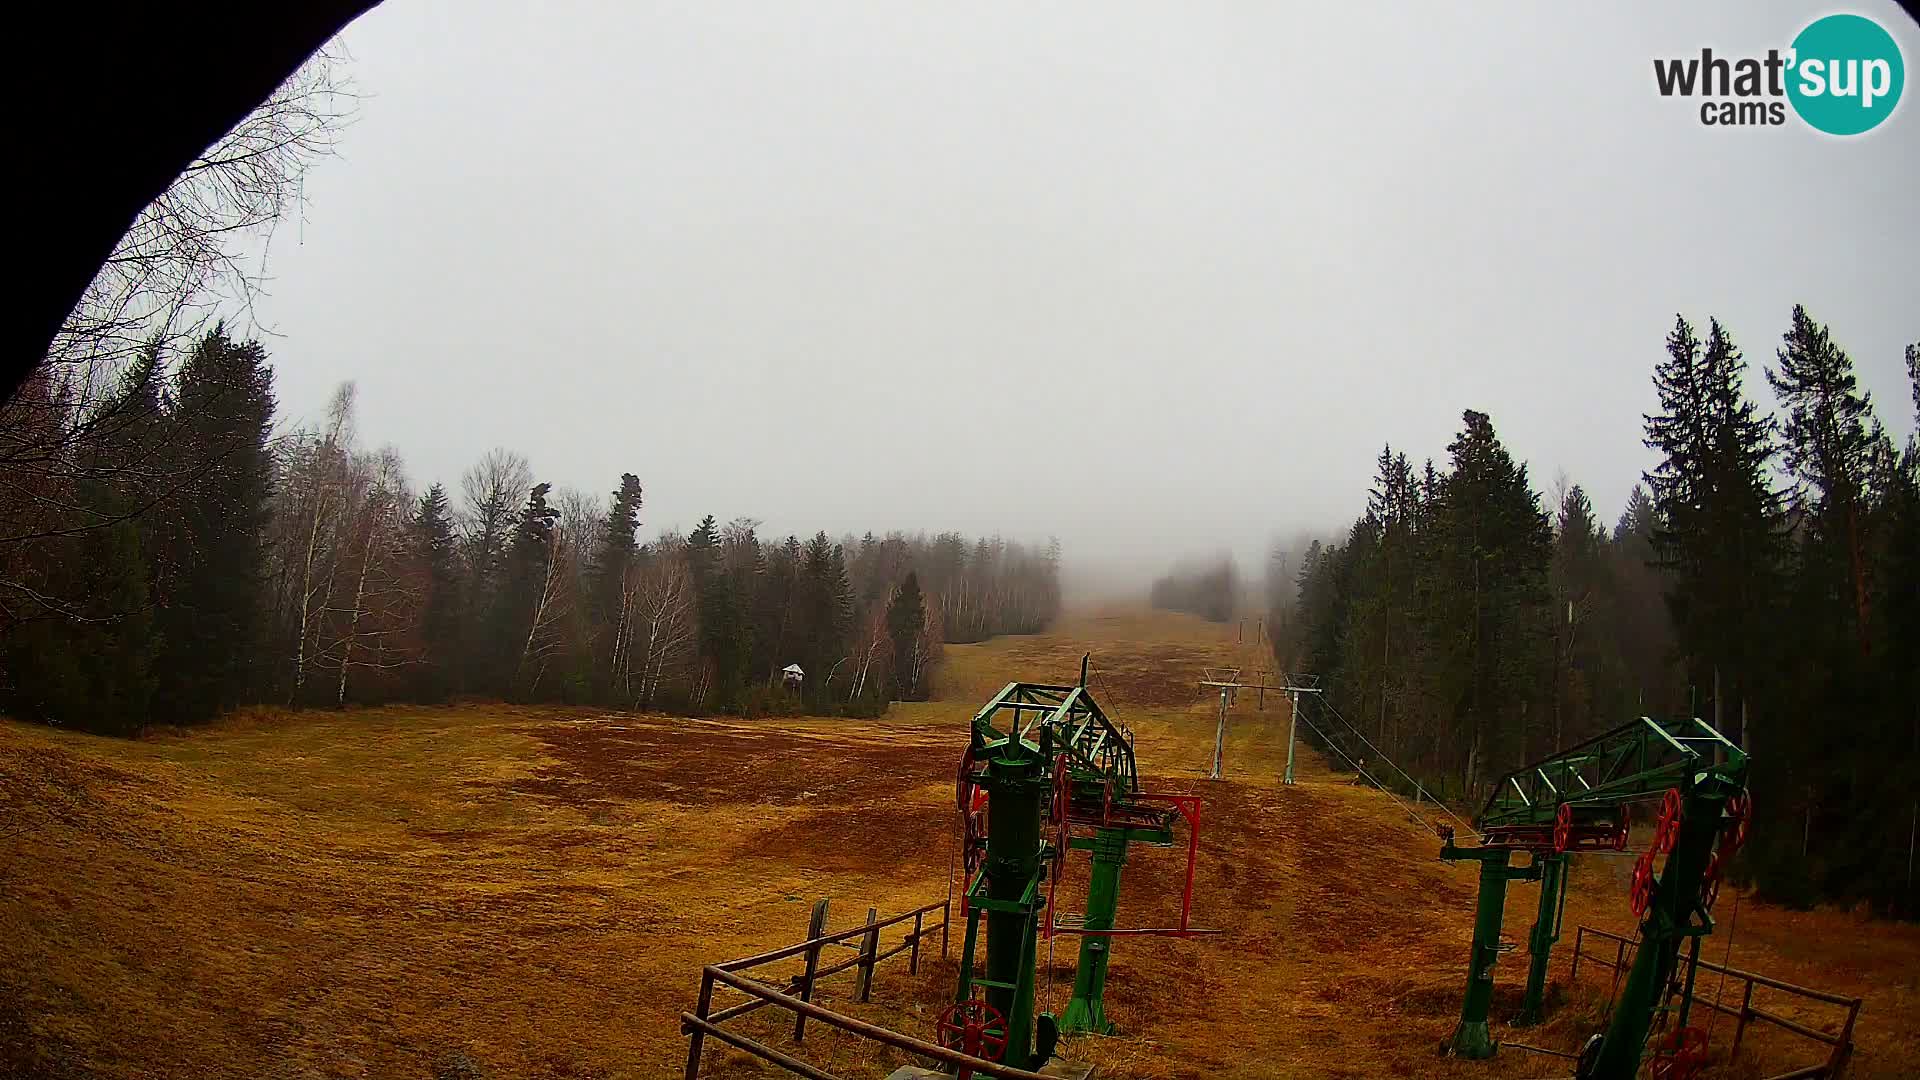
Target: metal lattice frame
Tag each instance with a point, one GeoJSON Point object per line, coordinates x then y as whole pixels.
{"type": "Point", "coordinates": [1629, 763]}
{"type": "Point", "coordinates": [1573, 801]}
{"type": "Point", "coordinates": [1046, 753]}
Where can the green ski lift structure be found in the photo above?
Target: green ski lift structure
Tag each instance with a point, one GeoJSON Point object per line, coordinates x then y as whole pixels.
{"type": "Point", "coordinates": [1047, 772]}
{"type": "Point", "coordinates": [1577, 801]}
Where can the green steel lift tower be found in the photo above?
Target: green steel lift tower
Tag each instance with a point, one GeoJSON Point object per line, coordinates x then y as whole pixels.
{"type": "Point", "coordinates": [1577, 801]}
{"type": "Point", "coordinates": [1042, 762]}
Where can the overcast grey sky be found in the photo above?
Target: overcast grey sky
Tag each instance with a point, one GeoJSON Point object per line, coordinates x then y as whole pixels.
{"type": "Point", "coordinates": [1150, 277]}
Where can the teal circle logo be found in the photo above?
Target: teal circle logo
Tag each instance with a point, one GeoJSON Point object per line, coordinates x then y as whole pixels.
{"type": "Point", "coordinates": [1846, 74]}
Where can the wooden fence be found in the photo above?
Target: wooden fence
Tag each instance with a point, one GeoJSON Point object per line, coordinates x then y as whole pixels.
{"type": "Point", "coordinates": [1840, 1046]}
{"type": "Point", "coordinates": [797, 995]}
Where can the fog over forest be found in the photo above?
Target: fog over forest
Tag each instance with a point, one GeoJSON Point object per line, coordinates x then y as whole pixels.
{"type": "Point", "coordinates": [1016, 273]}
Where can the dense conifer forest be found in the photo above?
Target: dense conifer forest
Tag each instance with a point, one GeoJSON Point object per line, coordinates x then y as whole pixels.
{"type": "Point", "coordinates": [169, 555]}
{"type": "Point", "coordinates": [1761, 577]}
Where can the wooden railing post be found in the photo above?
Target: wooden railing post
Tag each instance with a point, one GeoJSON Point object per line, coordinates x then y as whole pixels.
{"type": "Point", "coordinates": [1746, 1014]}
{"type": "Point", "coordinates": [1619, 965]}
{"type": "Point", "coordinates": [1843, 1049]}
{"type": "Point", "coordinates": [946, 920]}
{"type": "Point", "coordinates": [913, 954]}
{"type": "Point", "coordinates": [697, 1036]}
{"type": "Point", "coordinates": [816, 926]}
{"type": "Point", "coordinates": [869, 951]}
{"type": "Point", "coordinates": [1579, 935]}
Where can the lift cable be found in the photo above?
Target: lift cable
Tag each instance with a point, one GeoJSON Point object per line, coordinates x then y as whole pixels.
{"type": "Point", "coordinates": [1383, 756]}
{"type": "Point", "coordinates": [1361, 769]}
{"type": "Point", "coordinates": [1505, 1045]}
{"type": "Point", "coordinates": [1726, 961]}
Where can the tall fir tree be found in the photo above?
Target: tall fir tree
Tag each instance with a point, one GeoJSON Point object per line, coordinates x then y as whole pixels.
{"type": "Point", "coordinates": [614, 556]}
{"type": "Point", "coordinates": [524, 585]}
{"type": "Point", "coordinates": [726, 636]}
{"type": "Point", "coordinates": [436, 547]}
{"type": "Point", "coordinates": [906, 620]}
{"type": "Point", "coordinates": [1487, 566]}
{"type": "Point", "coordinates": [1829, 442]}
{"type": "Point", "coordinates": [1721, 532]}
{"type": "Point", "coordinates": [211, 544]}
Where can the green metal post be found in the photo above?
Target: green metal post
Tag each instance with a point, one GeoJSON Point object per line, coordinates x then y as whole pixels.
{"type": "Point", "coordinates": [1471, 1039]}
{"type": "Point", "coordinates": [1016, 780]}
{"type": "Point", "coordinates": [1693, 969]}
{"type": "Point", "coordinates": [1087, 1011]}
{"type": "Point", "coordinates": [965, 990]}
{"type": "Point", "coordinates": [1546, 931]}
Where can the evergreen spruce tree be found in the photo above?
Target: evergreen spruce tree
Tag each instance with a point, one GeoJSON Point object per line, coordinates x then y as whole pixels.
{"type": "Point", "coordinates": [437, 549]}
{"type": "Point", "coordinates": [1721, 547]}
{"type": "Point", "coordinates": [1486, 577]}
{"type": "Point", "coordinates": [725, 635]}
{"type": "Point", "coordinates": [613, 558]}
{"type": "Point", "coordinates": [524, 582]}
{"type": "Point", "coordinates": [906, 618]}
{"type": "Point", "coordinates": [1720, 535]}
{"type": "Point", "coordinates": [89, 667]}
{"type": "Point", "coordinates": [1829, 442]}
{"type": "Point", "coordinates": [211, 538]}
{"type": "Point", "coordinates": [1584, 697]}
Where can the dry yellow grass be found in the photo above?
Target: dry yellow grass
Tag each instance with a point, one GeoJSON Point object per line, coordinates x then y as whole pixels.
{"type": "Point", "coordinates": [381, 893]}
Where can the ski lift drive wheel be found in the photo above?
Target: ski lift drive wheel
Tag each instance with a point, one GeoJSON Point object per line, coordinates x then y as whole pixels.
{"type": "Point", "coordinates": [1740, 821]}
{"type": "Point", "coordinates": [1641, 895]}
{"type": "Point", "coordinates": [1672, 809]}
{"type": "Point", "coordinates": [964, 783]}
{"type": "Point", "coordinates": [1710, 882]}
{"type": "Point", "coordinates": [1680, 1055]}
{"type": "Point", "coordinates": [972, 1027]}
{"type": "Point", "coordinates": [1562, 828]}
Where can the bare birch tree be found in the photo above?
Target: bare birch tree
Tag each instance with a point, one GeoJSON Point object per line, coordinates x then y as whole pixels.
{"type": "Point", "coordinates": [665, 621]}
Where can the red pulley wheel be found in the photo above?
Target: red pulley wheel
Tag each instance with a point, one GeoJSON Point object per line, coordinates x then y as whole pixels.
{"type": "Point", "coordinates": [964, 785]}
{"type": "Point", "coordinates": [1710, 883]}
{"type": "Point", "coordinates": [1672, 809]}
{"type": "Point", "coordinates": [1563, 828]}
{"type": "Point", "coordinates": [1681, 1054]}
{"type": "Point", "coordinates": [972, 1027]}
{"type": "Point", "coordinates": [1641, 896]}
{"type": "Point", "coordinates": [1740, 821]}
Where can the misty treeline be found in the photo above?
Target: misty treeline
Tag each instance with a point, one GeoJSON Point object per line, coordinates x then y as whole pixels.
{"type": "Point", "coordinates": [184, 558]}
{"type": "Point", "coordinates": [1762, 577]}
{"type": "Point", "coordinates": [1209, 588]}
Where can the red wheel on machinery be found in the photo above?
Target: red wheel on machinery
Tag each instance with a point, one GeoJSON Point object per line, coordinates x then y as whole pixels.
{"type": "Point", "coordinates": [964, 784]}
{"type": "Point", "coordinates": [1672, 809]}
{"type": "Point", "coordinates": [972, 1027]}
{"type": "Point", "coordinates": [1739, 821]}
{"type": "Point", "coordinates": [1562, 828]}
{"type": "Point", "coordinates": [1641, 896]}
{"type": "Point", "coordinates": [973, 816]}
{"type": "Point", "coordinates": [1710, 882]}
{"type": "Point", "coordinates": [1681, 1054]}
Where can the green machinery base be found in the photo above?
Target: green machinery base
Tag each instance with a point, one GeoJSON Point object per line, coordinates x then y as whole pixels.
{"type": "Point", "coordinates": [1472, 1039]}
{"type": "Point", "coordinates": [1007, 894]}
{"type": "Point", "coordinates": [1087, 1012]}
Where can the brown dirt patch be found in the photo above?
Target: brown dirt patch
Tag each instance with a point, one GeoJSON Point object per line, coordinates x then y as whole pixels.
{"type": "Point", "coordinates": [696, 763]}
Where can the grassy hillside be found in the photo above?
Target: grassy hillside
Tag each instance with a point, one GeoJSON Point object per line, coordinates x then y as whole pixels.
{"type": "Point", "coordinates": [530, 892]}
